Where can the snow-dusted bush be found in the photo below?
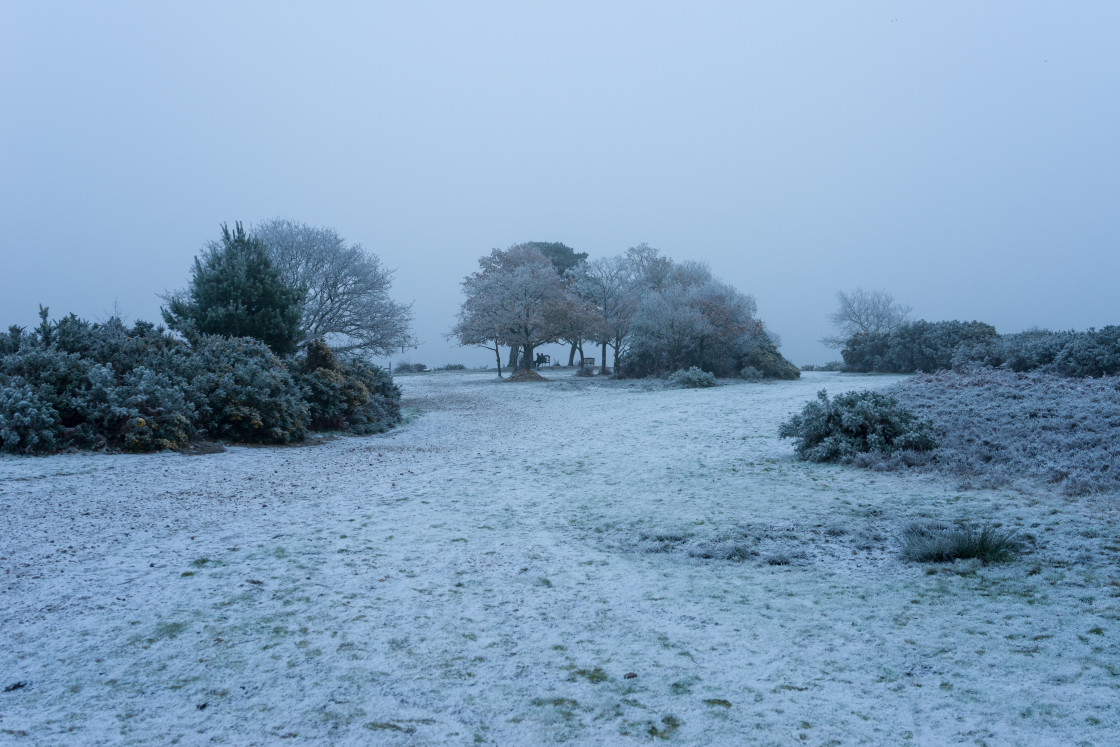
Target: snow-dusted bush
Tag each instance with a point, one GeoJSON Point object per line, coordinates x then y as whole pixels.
{"type": "Point", "coordinates": [1092, 353]}
{"type": "Point", "coordinates": [28, 423]}
{"type": "Point", "coordinates": [915, 346]}
{"type": "Point", "coordinates": [139, 410]}
{"type": "Point", "coordinates": [693, 378]}
{"type": "Point", "coordinates": [585, 371]}
{"type": "Point", "coordinates": [406, 367]}
{"type": "Point", "coordinates": [241, 390]}
{"type": "Point", "coordinates": [853, 423]}
{"type": "Point", "coordinates": [57, 377]}
{"type": "Point", "coordinates": [373, 401]}
{"type": "Point", "coordinates": [998, 426]}
{"type": "Point", "coordinates": [347, 394]}
{"type": "Point", "coordinates": [750, 373]}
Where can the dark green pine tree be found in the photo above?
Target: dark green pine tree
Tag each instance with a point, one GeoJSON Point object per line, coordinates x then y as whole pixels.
{"type": "Point", "coordinates": [236, 291]}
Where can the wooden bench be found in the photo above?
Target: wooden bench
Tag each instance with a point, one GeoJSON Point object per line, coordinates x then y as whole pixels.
{"type": "Point", "coordinates": [542, 359]}
{"type": "Point", "coordinates": [586, 362]}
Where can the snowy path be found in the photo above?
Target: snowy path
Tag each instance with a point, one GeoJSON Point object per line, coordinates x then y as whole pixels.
{"type": "Point", "coordinates": [493, 570]}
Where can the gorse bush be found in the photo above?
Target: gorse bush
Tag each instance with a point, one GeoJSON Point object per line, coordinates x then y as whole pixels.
{"type": "Point", "coordinates": [915, 346]}
{"type": "Point", "coordinates": [73, 383]}
{"type": "Point", "coordinates": [935, 346]}
{"type": "Point", "coordinates": [346, 394]}
{"type": "Point", "coordinates": [853, 423]}
{"type": "Point", "coordinates": [241, 390]}
{"type": "Point", "coordinates": [693, 378]}
{"type": "Point", "coordinates": [28, 424]}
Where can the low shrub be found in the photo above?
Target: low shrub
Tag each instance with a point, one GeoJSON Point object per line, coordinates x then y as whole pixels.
{"type": "Point", "coordinates": [406, 367]}
{"type": "Point", "coordinates": [585, 371]}
{"type": "Point", "coordinates": [692, 378]}
{"type": "Point", "coordinates": [856, 422]}
{"type": "Point", "coordinates": [750, 373]}
{"type": "Point", "coordinates": [996, 427]}
{"type": "Point", "coordinates": [28, 423]}
{"type": "Point", "coordinates": [241, 391]}
{"type": "Point", "coordinates": [139, 410]}
{"type": "Point", "coordinates": [452, 367]}
{"type": "Point", "coordinates": [940, 543]}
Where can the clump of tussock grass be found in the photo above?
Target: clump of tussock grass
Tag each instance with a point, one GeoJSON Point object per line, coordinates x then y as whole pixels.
{"type": "Point", "coordinates": [941, 543]}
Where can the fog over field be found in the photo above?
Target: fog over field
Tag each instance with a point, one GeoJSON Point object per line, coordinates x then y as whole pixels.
{"type": "Point", "coordinates": [588, 373]}
{"type": "Point", "coordinates": [962, 155]}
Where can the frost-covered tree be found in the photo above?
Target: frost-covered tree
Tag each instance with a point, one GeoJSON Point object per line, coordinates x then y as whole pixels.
{"type": "Point", "coordinates": [235, 290]}
{"type": "Point", "coordinates": [865, 312]}
{"type": "Point", "coordinates": [518, 293]}
{"type": "Point", "coordinates": [346, 299]}
{"type": "Point", "coordinates": [609, 285]}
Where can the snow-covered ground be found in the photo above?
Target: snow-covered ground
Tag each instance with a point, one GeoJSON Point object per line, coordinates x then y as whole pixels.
{"type": "Point", "coordinates": [525, 563]}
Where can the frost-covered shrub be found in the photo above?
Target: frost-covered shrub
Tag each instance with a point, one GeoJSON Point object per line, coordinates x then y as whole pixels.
{"type": "Point", "coordinates": [1022, 351]}
{"type": "Point", "coordinates": [997, 426]}
{"type": "Point", "coordinates": [760, 353]}
{"type": "Point", "coordinates": [139, 410]}
{"type": "Point", "coordinates": [406, 367]}
{"type": "Point", "coordinates": [750, 373]}
{"type": "Point", "coordinates": [693, 378]}
{"type": "Point", "coordinates": [1092, 353]}
{"type": "Point", "coordinates": [373, 401]}
{"type": "Point", "coordinates": [940, 543]}
{"type": "Point", "coordinates": [57, 377]}
{"type": "Point", "coordinates": [452, 367]}
{"type": "Point", "coordinates": [585, 371]}
{"type": "Point", "coordinates": [916, 346]}
{"type": "Point", "coordinates": [241, 391]}
{"type": "Point", "coordinates": [28, 423]}
{"type": "Point", "coordinates": [837, 429]}
{"type": "Point", "coordinates": [347, 394]}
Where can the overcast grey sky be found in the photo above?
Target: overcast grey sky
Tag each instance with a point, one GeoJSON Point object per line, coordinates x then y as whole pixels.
{"type": "Point", "coordinates": [963, 155]}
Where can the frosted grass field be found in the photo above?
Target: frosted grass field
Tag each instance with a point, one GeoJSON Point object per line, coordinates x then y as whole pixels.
{"type": "Point", "coordinates": [495, 570]}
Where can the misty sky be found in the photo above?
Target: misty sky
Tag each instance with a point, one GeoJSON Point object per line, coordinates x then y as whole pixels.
{"type": "Point", "coordinates": [964, 156]}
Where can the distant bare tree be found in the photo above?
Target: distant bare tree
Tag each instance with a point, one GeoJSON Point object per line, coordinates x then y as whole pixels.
{"type": "Point", "coordinates": [346, 289]}
{"type": "Point", "coordinates": [865, 312]}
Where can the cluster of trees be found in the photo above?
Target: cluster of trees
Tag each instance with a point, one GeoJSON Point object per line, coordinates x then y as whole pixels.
{"type": "Point", "coordinates": [876, 334]}
{"type": "Point", "coordinates": [253, 361]}
{"type": "Point", "coordinates": [656, 315]}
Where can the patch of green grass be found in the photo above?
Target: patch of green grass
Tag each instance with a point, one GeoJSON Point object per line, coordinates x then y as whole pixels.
{"type": "Point", "coordinates": [670, 725]}
{"type": "Point", "coordinates": [200, 562]}
{"type": "Point", "coordinates": [720, 702]}
{"type": "Point", "coordinates": [940, 543]}
{"type": "Point", "coordinates": [384, 726]}
{"type": "Point", "coordinates": [594, 676]}
{"type": "Point", "coordinates": [184, 574]}
{"type": "Point", "coordinates": [167, 630]}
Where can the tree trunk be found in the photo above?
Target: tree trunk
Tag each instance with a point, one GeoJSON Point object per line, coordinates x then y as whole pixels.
{"type": "Point", "coordinates": [572, 356]}
{"type": "Point", "coordinates": [498, 354]}
{"type": "Point", "coordinates": [581, 354]}
{"type": "Point", "coordinates": [512, 365]}
{"type": "Point", "coordinates": [527, 360]}
{"type": "Point", "coordinates": [603, 370]}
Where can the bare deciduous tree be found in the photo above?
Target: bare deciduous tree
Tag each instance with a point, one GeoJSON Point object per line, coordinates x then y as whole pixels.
{"type": "Point", "coordinates": [608, 284]}
{"type": "Point", "coordinates": [347, 288]}
{"type": "Point", "coordinates": [865, 312]}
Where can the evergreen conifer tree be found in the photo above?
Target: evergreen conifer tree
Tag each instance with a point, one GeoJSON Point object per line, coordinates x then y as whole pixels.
{"type": "Point", "coordinates": [236, 291]}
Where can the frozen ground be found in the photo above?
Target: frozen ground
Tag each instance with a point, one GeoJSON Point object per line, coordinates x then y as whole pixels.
{"type": "Point", "coordinates": [498, 568]}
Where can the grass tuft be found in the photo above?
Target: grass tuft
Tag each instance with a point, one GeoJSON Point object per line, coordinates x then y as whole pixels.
{"type": "Point", "coordinates": [940, 543]}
